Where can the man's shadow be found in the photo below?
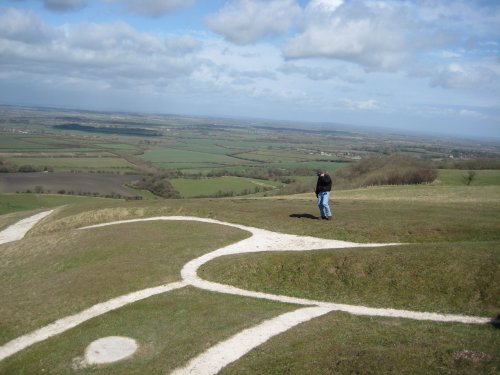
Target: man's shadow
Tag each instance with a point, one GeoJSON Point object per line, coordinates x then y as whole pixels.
{"type": "Point", "coordinates": [305, 216]}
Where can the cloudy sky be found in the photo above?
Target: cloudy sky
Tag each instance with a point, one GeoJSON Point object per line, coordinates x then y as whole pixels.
{"type": "Point", "coordinates": [430, 65]}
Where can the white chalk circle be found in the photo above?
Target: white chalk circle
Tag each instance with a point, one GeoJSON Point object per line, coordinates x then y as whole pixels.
{"type": "Point", "coordinates": [109, 349]}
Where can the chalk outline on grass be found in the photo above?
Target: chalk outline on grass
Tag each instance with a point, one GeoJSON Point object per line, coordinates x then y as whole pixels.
{"type": "Point", "coordinates": [225, 352]}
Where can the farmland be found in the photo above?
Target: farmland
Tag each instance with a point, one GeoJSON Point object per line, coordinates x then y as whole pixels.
{"type": "Point", "coordinates": [211, 157]}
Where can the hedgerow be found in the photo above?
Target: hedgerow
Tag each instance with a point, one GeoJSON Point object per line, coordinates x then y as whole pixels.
{"type": "Point", "coordinates": [397, 169]}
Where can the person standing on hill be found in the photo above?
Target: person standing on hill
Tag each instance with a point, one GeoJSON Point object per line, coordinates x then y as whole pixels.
{"type": "Point", "coordinates": [323, 188]}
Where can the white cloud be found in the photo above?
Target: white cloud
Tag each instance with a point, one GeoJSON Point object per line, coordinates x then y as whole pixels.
{"type": "Point", "coordinates": [391, 35]}
{"type": "Point", "coordinates": [324, 5]}
{"type": "Point", "coordinates": [111, 55]}
{"type": "Point", "coordinates": [372, 36]}
{"type": "Point", "coordinates": [25, 27]}
{"type": "Point", "coordinates": [247, 21]}
{"type": "Point", "coordinates": [153, 8]}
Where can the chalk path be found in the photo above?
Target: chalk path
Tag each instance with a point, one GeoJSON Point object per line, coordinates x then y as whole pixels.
{"type": "Point", "coordinates": [228, 351]}
{"type": "Point", "coordinates": [17, 231]}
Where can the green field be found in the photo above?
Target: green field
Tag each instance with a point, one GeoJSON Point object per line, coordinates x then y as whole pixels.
{"type": "Point", "coordinates": [16, 142]}
{"type": "Point", "coordinates": [221, 186]}
{"type": "Point", "coordinates": [454, 177]}
{"type": "Point", "coordinates": [173, 158]}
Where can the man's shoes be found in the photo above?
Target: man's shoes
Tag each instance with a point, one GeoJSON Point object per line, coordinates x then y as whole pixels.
{"type": "Point", "coordinates": [329, 218]}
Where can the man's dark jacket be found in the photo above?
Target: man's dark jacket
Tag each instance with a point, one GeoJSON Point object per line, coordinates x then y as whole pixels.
{"type": "Point", "coordinates": [324, 184]}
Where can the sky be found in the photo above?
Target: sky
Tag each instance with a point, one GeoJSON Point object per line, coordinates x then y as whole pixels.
{"type": "Point", "coordinates": [428, 66]}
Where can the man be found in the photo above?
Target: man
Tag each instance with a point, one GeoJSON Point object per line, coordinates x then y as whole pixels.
{"type": "Point", "coordinates": [323, 188]}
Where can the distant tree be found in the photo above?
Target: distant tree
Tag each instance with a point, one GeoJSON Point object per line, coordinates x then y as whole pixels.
{"type": "Point", "coordinates": [27, 169]}
{"type": "Point", "coordinates": [469, 177]}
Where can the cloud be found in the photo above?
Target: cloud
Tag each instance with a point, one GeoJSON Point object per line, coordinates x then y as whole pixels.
{"type": "Point", "coordinates": [109, 55]}
{"type": "Point", "coordinates": [366, 105]}
{"type": "Point", "coordinates": [247, 21]}
{"type": "Point", "coordinates": [25, 27]}
{"type": "Point", "coordinates": [153, 8]}
{"type": "Point", "coordinates": [60, 5]}
{"type": "Point", "coordinates": [64, 5]}
{"type": "Point", "coordinates": [388, 35]}
{"type": "Point", "coordinates": [373, 36]}
{"type": "Point", "coordinates": [464, 76]}
{"type": "Point", "coordinates": [322, 72]}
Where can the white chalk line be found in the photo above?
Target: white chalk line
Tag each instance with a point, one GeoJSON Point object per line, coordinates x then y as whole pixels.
{"type": "Point", "coordinates": [261, 240]}
{"type": "Point", "coordinates": [18, 230]}
{"type": "Point", "coordinates": [64, 324]}
{"type": "Point", "coordinates": [220, 355]}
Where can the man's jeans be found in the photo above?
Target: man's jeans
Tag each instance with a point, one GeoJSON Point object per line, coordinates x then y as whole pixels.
{"type": "Point", "coordinates": [323, 204]}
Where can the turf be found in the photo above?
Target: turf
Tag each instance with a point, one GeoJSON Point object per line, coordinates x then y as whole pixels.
{"type": "Point", "coordinates": [451, 264]}
{"type": "Point", "coordinates": [62, 274]}
{"type": "Point", "coordinates": [345, 344]}
{"type": "Point", "coordinates": [457, 278]}
{"type": "Point", "coordinates": [354, 220]}
{"type": "Point", "coordinates": [170, 329]}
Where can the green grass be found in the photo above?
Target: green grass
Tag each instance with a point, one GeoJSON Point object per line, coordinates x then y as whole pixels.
{"type": "Point", "coordinates": [19, 142]}
{"type": "Point", "coordinates": [455, 278]}
{"type": "Point", "coordinates": [116, 146]}
{"type": "Point", "coordinates": [48, 277]}
{"type": "Point", "coordinates": [170, 329]}
{"type": "Point", "coordinates": [174, 158]}
{"type": "Point", "coordinates": [423, 193]}
{"type": "Point", "coordinates": [450, 265]}
{"type": "Point", "coordinates": [354, 220]}
{"type": "Point", "coordinates": [26, 202]}
{"type": "Point", "coordinates": [212, 186]}
{"type": "Point", "coordinates": [274, 156]}
{"type": "Point", "coordinates": [455, 177]}
{"type": "Point", "coordinates": [344, 344]}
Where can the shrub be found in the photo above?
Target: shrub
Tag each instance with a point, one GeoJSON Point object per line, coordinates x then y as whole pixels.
{"type": "Point", "coordinates": [158, 185]}
{"type": "Point", "coordinates": [28, 169]}
{"type": "Point", "coordinates": [397, 169]}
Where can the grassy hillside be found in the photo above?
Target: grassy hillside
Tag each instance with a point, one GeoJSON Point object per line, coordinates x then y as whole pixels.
{"type": "Point", "coordinates": [451, 263]}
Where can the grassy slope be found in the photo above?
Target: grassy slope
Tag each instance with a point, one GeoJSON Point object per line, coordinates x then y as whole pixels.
{"type": "Point", "coordinates": [448, 277]}
{"type": "Point", "coordinates": [170, 329]}
{"type": "Point", "coordinates": [344, 344]}
{"type": "Point", "coordinates": [460, 237]}
{"type": "Point", "coordinates": [51, 276]}
{"type": "Point", "coordinates": [455, 177]}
